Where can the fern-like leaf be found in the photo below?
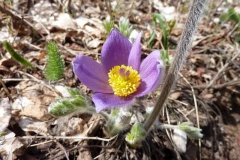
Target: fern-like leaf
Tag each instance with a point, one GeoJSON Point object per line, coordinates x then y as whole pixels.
{"type": "Point", "coordinates": [65, 106]}
{"type": "Point", "coordinates": [124, 27]}
{"type": "Point", "coordinates": [17, 57]}
{"type": "Point", "coordinates": [76, 103]}
{"type": "Point", "coordinates": [73, 92]}
{"type": "Point", "coordinates": [55, 64]}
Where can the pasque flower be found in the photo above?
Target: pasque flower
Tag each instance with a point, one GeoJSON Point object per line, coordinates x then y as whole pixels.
{"type": "Point", "coordinates": [122, 76]}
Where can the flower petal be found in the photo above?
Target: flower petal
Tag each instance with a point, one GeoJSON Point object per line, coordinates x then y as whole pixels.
{"type": "Point", "coordinates": [92, 74]}
{"type": "Point", "coordinates": [115, 50]}
{"type": "Point", "coordinates": [107, 101]}
{"type": "Point", "coordinates": [151, 72]}
{"type": "Point", "coordinates": [135, 53]}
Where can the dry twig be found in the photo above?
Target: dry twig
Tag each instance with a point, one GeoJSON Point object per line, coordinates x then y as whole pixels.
{"type": "Point", "coordinates": [220, 71]}
{"type": "Point", "coordinates": [4, 9]}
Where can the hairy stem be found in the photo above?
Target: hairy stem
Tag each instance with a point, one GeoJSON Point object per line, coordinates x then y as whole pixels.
{"type": "Point", "coordinates": [180, 55]}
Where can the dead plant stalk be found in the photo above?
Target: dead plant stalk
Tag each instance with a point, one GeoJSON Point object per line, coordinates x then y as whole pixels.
{"type": "Point", "coordinates": [194, 14]}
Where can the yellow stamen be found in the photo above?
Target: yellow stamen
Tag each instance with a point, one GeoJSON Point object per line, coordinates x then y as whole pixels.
{"type": "Point", "coordinates": [124, 80]}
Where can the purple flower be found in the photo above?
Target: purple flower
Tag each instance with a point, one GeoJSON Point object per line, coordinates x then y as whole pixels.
{"type": "Point", "coordinates": [122, 76]}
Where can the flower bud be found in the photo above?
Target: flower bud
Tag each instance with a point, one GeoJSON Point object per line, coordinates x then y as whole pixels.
{"type": "Point", "coordinates": [191, 131]}
{"type": "Point", "coordinates": [117, 121]}
{"type": "Point", "coordinates": [137, 134]}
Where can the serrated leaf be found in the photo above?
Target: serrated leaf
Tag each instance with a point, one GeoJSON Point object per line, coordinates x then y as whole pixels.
{"type": "Point", "coordinates": [55, 64]}
{"type": "Point", "coordinates": [17, 57]}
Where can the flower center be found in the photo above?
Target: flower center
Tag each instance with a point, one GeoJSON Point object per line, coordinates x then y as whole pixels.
{"type": "Point", "coordinates": [124, 80]}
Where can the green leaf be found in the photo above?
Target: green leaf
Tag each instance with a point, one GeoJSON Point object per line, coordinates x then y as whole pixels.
{"type": "Point", "coordinates": [124, 27]}
{"type": "Point", "coordinates": [230, 15]}
{"type": "Point", "coordinates": [190, 130]}
{"type": "Point", "coordinates": [108, 25]}
{"type": "Point", "coordinates": [237, 37]}
{"type": "Point", "coordinates": [171, 25]}
{"type": "Point", "coordinates": [73, 92]}
{"type": "Point", "coordinates": [162, 22]}
{"type": "Point", "coordinates": [150, 41]}
{"type": "Point", "coordinates": [17, 57]}
{"type": "Point", "coordinates": [55, 64]}
{"type": "Point", "coordinates": [3, 134]}
{"type": "Point", "coordinates": [79, 101]}
{"type": "Point", "coordinates": [166, 58]}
